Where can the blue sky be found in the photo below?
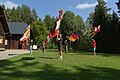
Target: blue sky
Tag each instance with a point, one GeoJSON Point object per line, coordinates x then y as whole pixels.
{"type": "Point", "coordinates": [51, 7]}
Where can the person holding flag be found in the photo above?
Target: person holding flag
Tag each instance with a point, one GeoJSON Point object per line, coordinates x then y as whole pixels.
{"type": "Point", "coordinates": [59, 43]}
{"type": "Point", "coordinates": [94, 46]}
{"type": "Point", "coordinates": [55, 32]}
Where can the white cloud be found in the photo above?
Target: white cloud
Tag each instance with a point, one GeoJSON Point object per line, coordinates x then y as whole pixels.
{"type": "Point", "coordinates": [9, 4]}
{"type": "Point", "coordinates": [85, 5]}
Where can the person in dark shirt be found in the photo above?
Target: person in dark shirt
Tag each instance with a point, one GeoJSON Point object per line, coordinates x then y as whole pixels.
{"type": "Point", "coordinates": [59, 42]}
{"type": "Point", "coordinates": [43, 47]}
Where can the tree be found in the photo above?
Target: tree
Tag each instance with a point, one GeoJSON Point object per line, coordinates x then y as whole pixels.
{"type": "Point", "coordinates": [100, 13]}
{"type": "Point", "coordinates": [69, 24]}
{"type": "Point", "coordinates": [26, 14]}
{"type": "Point", "coordinates": [18, 14]}
{"type": "Point", "coordinates": [39, 32]}
{"type": "Point", "coordinates": [49, 22]}
{"type": "Point", "coordinates": [103, 18]}
{"type": "Point", "coordinates": [14, 15]}
{"type": "Point", "coordinates": [21, 14]}
{"type": "Point", "coordinates": [34, 15]}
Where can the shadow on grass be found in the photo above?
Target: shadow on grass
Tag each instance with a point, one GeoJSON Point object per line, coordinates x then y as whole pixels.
{"type": "Point", "coordinates": [27, 58]}
{"type": "Point", "coordinates": [9, 70]}
{"type": "Point", "coordinates": [108, 55]}
{"type": "Point", "coordinates": [48, 58]}
{"type": "Point", "coordinates": [98, 73]}
{"type": "Point", "coordinates": [11, 54]}
{"type": "Point", "coordinates": [91, 53]}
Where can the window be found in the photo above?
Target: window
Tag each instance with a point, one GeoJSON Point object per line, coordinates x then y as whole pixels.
{"type": "Point", "coordinates": [1, 40]}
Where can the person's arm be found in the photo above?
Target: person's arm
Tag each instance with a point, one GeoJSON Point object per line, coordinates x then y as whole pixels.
{"type": "Point", "coordinates": [58, 38]}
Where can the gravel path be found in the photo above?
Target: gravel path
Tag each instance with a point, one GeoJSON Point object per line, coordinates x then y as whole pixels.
{"type": "Point", "coordinates": [11, 53]}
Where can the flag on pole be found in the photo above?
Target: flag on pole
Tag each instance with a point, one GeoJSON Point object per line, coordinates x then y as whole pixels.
{"type": "Point", "coordinates": [94, 31]}
{"type": "Point", "coordinates": [56, 30]}
{"type": "Point", "coordinates": [26, 34]}
{"type": "Point", "coordinates": [74, 36]}
{"type": "Point", "coordinates": [97, 29]}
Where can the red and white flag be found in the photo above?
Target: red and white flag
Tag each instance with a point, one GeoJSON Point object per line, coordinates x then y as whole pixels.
{"type": "Point", "coordinates": [56, 31]}
{"type": "Point", "coordinates": [94, 31]}
{"type": "Point", "coordinates": [97, 29]}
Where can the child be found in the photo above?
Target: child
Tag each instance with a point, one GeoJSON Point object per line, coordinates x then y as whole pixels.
{"type": "Point", "coordinates": [94, 47]}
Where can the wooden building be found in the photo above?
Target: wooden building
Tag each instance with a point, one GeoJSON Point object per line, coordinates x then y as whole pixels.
{"type": "Point", "coordinates": [4, 30]}
{"type": "Point", "coordinates": [16, 30]}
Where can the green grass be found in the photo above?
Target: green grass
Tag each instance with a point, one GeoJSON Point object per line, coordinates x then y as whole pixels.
{"type": "Point", "coordinates": [74, 66]}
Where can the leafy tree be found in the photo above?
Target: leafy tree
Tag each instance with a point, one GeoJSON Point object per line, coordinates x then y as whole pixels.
{"type": "Point", "coordinates": [18, 14]}
{"type": "Point", "coordinates": [26, 14]}
{"type": "Point", "coordinates": [101, 12]}
{"type": "Point", "coordinates": [39, 32]}
{"type": "Point", "coordinates": [14, 15]}
{"type": "Point", "coordinates": [49, 22]}
{"type": "Point", "coordinates": [67, 24]}
{"type": "Point", "coordinates": [21, 14]}
{"type": "Point", "coordinates": [101, 16]}
{"type": "Point", "coordinates": [71, 23]}
{"type": "Point", "coordinates": [34, 15]}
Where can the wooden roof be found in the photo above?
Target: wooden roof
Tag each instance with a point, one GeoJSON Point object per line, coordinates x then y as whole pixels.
{"type": "Point", "coordinates": [3, 21]}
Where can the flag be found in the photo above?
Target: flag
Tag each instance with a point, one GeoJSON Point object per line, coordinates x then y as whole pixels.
{"type": "Point", "coordinates": [74, 36]}
{"type": "Point", "coordinates": [56, 30]}
{"type": "Point", "coordinates": [94, 31]}
{"type": "Point", "coordinates": [97, 29]}
{"type": "Point", "coordinates": [92, 34]}
{"type": "Point", "coordinates": [26, 34]}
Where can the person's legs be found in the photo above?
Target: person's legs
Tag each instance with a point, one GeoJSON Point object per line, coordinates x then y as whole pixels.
{"type": "Point", "coordinates": [30, 49]}
{"type": "Point", "coordinates": [60, 51]}
{"type": "Point", "coordinates": [94, 52]}
{"type": "Point", "coordinates": [43, 50]}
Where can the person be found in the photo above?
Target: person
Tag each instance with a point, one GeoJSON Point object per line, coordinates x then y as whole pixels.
{"type": "Point", "coordinates": [59, 43]}
{"type": "Point", "coordinates": [66, 47]}
{"type": "Point", "coordinates": [31, 43]}
{"type": "Point", "coordinates": [43, 47]}
{"type": "Point", "coordinates": [94, 46]}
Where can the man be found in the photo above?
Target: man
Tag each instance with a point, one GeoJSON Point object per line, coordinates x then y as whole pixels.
{"type": "Point", "coordinates": [66, 46]}
{"type": "Point", "coordinates": [43, 47]}
{"type": "Point", "coordinates": [59, 42]}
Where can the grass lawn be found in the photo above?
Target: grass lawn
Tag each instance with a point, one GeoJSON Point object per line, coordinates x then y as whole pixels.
{"type": "Point", "coordinates": [74, 66]}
